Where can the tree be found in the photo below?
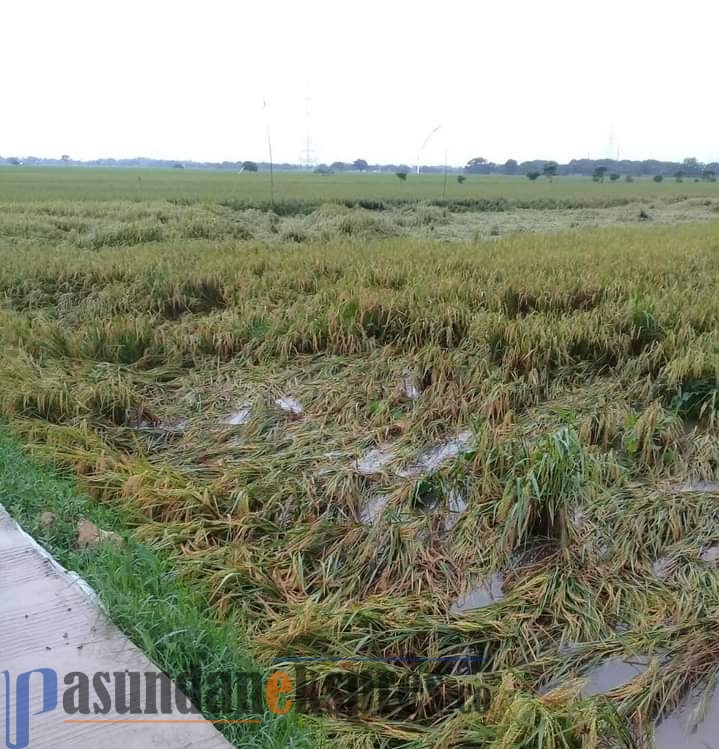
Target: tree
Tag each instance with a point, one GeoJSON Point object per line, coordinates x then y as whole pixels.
{"type": "Point", "coordinates": [614, 176]}
{"type": "Point", "coordinates": [249, 166]}
{"type": "Point", "coordinates": [629, 178]}
{"type": "Point", "coordinates": [550, 170]}
{"type": "Point", "coordinates": [402, 176]}
{"type": "Point", "coordinates": [510, 166]}
{"type": "Point", "coordinates": [659, 178]}
{"type": "Point", "coordinates": [65, 158]}
{"type": "Point", "coordinates": [14, 161]}
{"type": "Point", "coordinates": [322, 169]}
{"type": "Point", "coordinates": [691, 165]}
{"type": "Point", "coordinates": [679, 175]}
{"type": "Point", "coordinates": [709, 175]}
{"type": "Point", "coordinates": [338, 166]}
{"type": "Point", "coordinates": [177, 165]}
{"type": "Point", "coordinates": [599, 173]}
{"type": "Point", "coordinates": [461, 179]}
{"type": "Point", "coordinates": [360, 165]}
{"type": "Point", "coordinates": [476, 165]}
{"type": "Point", "coordinates": [531, 176]}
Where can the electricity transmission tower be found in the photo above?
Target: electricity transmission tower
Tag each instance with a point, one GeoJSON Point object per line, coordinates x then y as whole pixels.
{"type": "Point", "coordinates": [308, 157]}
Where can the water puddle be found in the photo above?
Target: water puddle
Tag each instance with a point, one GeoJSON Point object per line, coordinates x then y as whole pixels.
{"type": "Point", "coordinates": [175, 427]}
{"type": "Point", "coordinates": [662, 567]}
{"type": "Point", "coordinates": [456, 507]}
{"type": "Point", "coordinates": [411, 388]}
{"type": "Point", "coordinates": [707, 487]}
{"type": "Point", "coordinates": [290, 405]}
{"type": "Point", "coordinates": [613, 673]}
{"type": "Point", "coordinates": [604, 552]}
{"type": "Point", "coordinates": [373, 508]}
{"type": "Point", "coordinates": [164, 428]}
{"type": "Point", "coordinates": [373, 462]}
{"type": "Point", "coordinates": [578, 518]}
{"type": "Point", "coordinates": [693, 725]}
{"type": "Point", "coordinates": [432, 459]}
{"type": "Point", "coordinates": [242, 416]}
{"type": "Point", "coordinates": [477, 598]}
{"type": "Point", "coordinates": [376, 460]}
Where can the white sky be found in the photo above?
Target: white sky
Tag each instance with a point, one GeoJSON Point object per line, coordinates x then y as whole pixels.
{"type": "Point", "coordinates": [550, 79]}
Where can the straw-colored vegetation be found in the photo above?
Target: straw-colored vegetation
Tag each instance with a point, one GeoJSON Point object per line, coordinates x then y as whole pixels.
{"type": "Point", "coordinates": [538, 407]}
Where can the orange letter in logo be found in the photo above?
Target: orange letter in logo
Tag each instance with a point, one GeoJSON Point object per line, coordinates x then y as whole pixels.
{"type": "Point", "coordinates": [279, 683]}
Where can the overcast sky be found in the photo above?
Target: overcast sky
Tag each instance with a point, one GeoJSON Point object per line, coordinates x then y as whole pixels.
{"type": "Point", "coordinates": [552, 79]}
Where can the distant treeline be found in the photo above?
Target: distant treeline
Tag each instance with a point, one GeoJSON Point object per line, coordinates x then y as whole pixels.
{"type": "Point", "coordinates": [689, 167]}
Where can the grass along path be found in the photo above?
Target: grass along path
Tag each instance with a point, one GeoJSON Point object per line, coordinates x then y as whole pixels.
{"type": "Point", "coordinates": [142, 595]}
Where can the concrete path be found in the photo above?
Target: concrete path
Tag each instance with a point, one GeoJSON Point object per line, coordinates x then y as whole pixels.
{"type": "Point", "coordinates": [48, 619]}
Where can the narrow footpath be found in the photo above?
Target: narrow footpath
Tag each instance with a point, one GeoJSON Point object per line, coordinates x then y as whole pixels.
{"type": "Point", "coordinates": [50, 620]}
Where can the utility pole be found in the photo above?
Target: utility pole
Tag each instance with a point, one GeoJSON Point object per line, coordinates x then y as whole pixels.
{"type": "Point", "coordinates": [421, 148]}
{"type": "Point", "coordinates": [269, 148]}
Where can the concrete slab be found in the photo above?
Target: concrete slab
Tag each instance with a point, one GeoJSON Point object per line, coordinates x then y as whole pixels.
{"type": "Point", "coordinates": [49, 619]}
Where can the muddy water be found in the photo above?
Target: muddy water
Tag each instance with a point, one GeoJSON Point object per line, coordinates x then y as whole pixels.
{"type": "Point", "coordinates": [432, 459]}
{"type": "Point", "coordinates": [455, 509]}
{"type": "Point", "coordinates": [410, 387]}
{"type": "Point", "coordinates": [613, 673]}
{"type": "Point", "coordinates": [239, 417]}
{"type": "Point", "coordinates": [707, 487]}
{"type": "Point", "coordinates": [290, 405]}
{"type": "Point", "coordinates": [662, 567]}
{"type": "Point", "coordinates": [694, 725]}
{"type": "Point", "coordinates": [373, 508]}
{"type": "Point", "coordinates": [477, 598]}
{"type": "Point", "coordinates": [375, 461]}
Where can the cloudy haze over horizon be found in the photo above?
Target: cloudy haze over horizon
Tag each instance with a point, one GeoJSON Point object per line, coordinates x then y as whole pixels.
{"type": "Point", "coordinates": [559, 79]}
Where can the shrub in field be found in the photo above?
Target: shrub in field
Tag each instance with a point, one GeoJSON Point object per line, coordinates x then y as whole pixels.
{"type": "Point", "coordinates": [548, 483]}
{"type": "Point", "coordinates": [401, 176]}
{"type": "Point", "coordinates": [643, 324]}
{"type": "Point", "coordinates": [461, 178]}
{"type": "Point", "coordinates": [653, 436]}
{"type": "Point", "coordinates": [659, 178]}
{"type": "Point", "coordinates": [533, 176]}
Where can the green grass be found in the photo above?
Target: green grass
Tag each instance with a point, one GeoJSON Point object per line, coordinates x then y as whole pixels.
{"type": "Point", "coordinates": [139, 588]}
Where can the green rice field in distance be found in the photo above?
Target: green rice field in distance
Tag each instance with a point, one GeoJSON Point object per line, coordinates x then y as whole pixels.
{"type": "Point", "coordinates": [374, 424]}
{"type": "Point", "coordinates": [74, 183]}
